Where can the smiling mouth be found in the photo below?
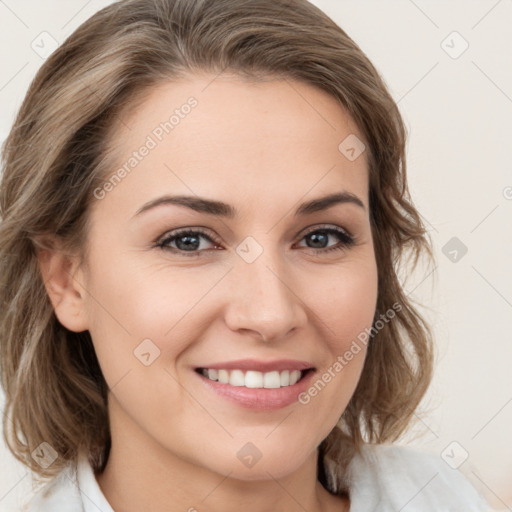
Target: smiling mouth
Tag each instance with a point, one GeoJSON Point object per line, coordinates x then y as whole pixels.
{"type": "Point", "coordinates": [254, 379]}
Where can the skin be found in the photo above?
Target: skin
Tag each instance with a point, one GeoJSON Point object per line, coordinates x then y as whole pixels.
{"type": "Point", "coordinates": [264, 148]}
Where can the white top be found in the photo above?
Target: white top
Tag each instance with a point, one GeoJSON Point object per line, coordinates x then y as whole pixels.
{"type": "Point", "coordinates": [385, 478]}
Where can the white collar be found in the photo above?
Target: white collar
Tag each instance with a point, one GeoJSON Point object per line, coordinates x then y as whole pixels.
{"type": "Point", "coordinates": [92, 497]}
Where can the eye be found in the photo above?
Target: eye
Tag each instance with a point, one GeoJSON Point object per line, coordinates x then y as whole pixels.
{"type": "Point", "coordinates": [320, 237]}
{"type": "Point", "coordinates": [188, 241]}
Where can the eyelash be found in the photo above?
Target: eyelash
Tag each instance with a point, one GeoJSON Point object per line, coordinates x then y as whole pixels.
{"type": "Point", "coordinates": [346, 240]}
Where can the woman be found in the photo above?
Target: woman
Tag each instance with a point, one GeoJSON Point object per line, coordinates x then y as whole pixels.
{"type": "Point", "coordinates": [204, 205]}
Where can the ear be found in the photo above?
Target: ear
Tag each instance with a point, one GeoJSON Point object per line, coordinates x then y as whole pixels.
{"type": "Point", "coordinates": [63, 282]}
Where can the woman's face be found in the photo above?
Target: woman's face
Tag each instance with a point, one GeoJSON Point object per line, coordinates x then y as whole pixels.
{"type": "Point", "coordinates": [256, 291]}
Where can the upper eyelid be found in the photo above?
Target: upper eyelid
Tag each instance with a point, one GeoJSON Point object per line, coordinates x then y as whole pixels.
{"type": "Point", "coordinates": [315, 227]}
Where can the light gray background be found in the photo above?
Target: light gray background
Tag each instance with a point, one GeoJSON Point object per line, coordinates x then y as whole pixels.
{"type": "Point", "coordinates": [458, 110]}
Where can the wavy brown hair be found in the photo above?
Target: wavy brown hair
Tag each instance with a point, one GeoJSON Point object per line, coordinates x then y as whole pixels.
{"type": "Point", "coordinates": [57, 153]}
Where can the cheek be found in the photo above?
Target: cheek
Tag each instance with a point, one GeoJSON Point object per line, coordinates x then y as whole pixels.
{"type": "Point", "coordinates": [345, 310]}
{"type": "Point", "coordinates": [346, 305]}
{"type": "Point", "coordinates": [134, 299]}
{"type": "Point", "coordinates": [131, 302]}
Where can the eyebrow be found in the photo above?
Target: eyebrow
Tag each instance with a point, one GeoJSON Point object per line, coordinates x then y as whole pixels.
{"type": "Point", "coordinates": [220, 209]}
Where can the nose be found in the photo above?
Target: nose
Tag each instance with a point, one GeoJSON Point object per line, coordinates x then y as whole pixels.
{"type": "Point", "coordinates": [265, 299]}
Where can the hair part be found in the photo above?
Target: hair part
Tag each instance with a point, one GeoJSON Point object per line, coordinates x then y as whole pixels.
{"type": "Point", "coordinates": [58, 152]}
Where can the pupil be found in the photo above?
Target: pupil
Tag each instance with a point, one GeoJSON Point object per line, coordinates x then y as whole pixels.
{"type": "Point", "coordinates": [319, 237]}
{"type": "Point", "coordinates": [187, 244]}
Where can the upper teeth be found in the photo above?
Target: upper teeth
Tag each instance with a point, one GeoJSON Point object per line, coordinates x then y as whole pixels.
{"type": "Point", "coordinates": [253, 379]}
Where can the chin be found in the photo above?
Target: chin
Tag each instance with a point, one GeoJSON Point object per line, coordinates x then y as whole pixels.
{"type": "Point", "coordinates": [262, 460]}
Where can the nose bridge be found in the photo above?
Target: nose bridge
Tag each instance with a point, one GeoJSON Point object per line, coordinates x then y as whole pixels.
{"type": "Point", "coordinates": [265, 299]}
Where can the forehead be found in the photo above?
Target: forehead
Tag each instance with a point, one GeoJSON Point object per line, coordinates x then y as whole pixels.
{"type": "Point", "coordinates": [226, 137]}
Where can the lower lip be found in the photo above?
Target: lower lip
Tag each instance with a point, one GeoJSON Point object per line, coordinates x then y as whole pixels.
{"type": "Point", "coordinates": [260, 398]}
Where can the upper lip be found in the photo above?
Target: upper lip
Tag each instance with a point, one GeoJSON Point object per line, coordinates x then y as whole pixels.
{"type": "Point", "coordinates": [260, 365]}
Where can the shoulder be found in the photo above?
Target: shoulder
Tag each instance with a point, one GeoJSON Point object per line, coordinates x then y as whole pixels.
{"type": "Point", "coordinates": [60, 494]}
{"type": "Point", "coordinates": [394, 477]}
